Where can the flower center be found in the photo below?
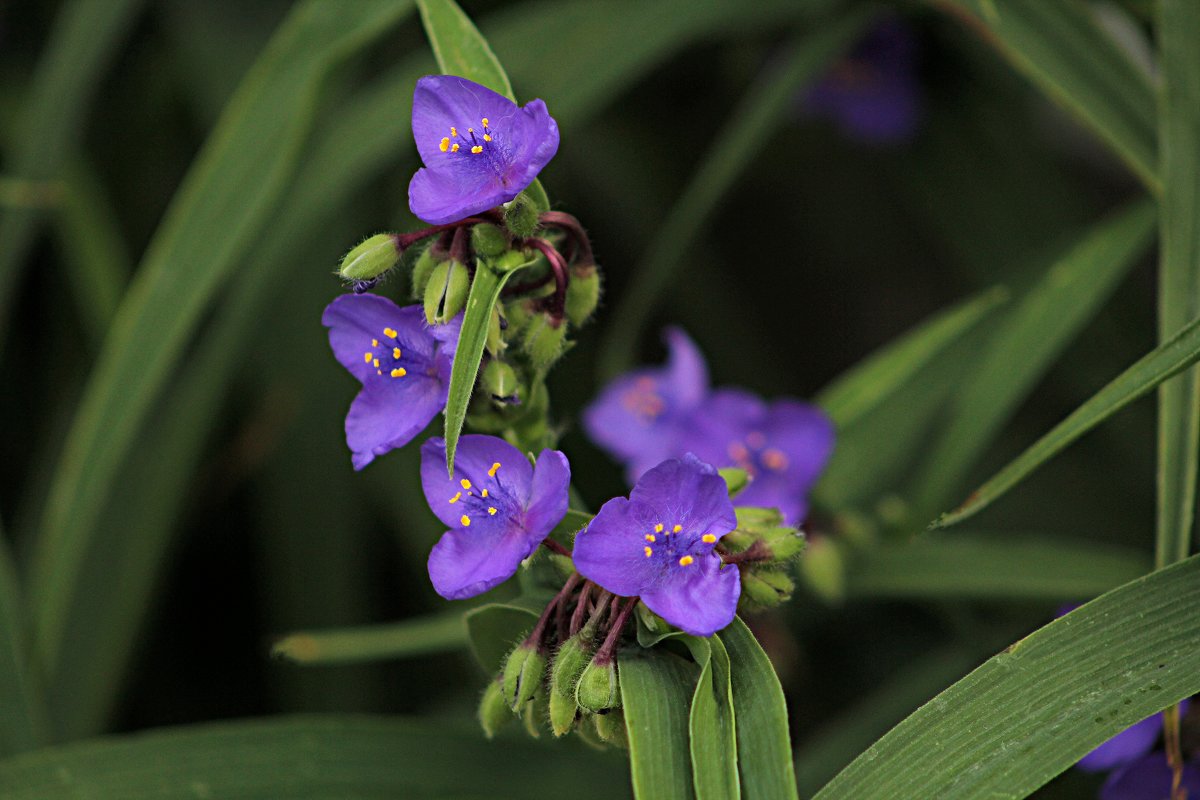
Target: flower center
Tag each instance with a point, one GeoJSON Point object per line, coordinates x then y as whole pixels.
{"type": "Point", "coordinates": [386, 355]}
{"type": "Point", "coordinates": [643, 401]}
{"type": "Point", "coordinates": [478, 501]}
{"type": "Point", "coordinates": [480, 148]}
{"type": "Point", "coordinates": [754, 456]}
{"type": "Point", "coordinates": [674, 545]}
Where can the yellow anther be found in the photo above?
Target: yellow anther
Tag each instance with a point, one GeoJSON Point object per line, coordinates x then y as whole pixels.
{"type": "Point", "coordinates": [389, 332]}
{"type": "Point", "coordinates": [491, 510]}
{"type": "Point", "coordinates": [470, 130]}
{"type": "Point", "coordinates": [465, 520]}
{"type": "Point", "coordinates": [484, 121]}
{"type": "Point", "coordinates": [399, 372]}
{"type": "Point", "coordinates": [378, 372]}
{"type": "Point", "coordinates": [477, 149]}
{"type": "Point", "coordinates": [367, 358]}
{"type": "Point", "coordinates": [453, 131]}
{"type": "Point", "coordinates": [649, 552]}
{"type": "Point", "coordinates": [483, 493]}
{"type": "Point", "coordinates": [683, 562]}
{"type": "Point", "coordinates": [708, 538]}
{"type": "Point", "coordinates": [492, 471]}
{"type": "Point", "coordinates": [650, 537]}
{"type": "Point", "coordinates": [456, 498]}
{"type": "Point", "coordinates": [658, 528]}
{"type": "Point", "coordinates": [374, 343]}
{"type": "Point", "coordinates": [375, 363]}
{"type": "Point", "coordinates": [677, 529]}
{"type": "Point", "coordinates": [454, 147]}
{"type": "Point", "coordinates": [487, 137]}
{"type": "Point", "coordinates": [445, 145]}
{"type": "Point", "coordinates": [396, 352]}
{"type": "Point", "coordinates": [466, 484]}
{"type": "Point", "coordinates": [775, 459]}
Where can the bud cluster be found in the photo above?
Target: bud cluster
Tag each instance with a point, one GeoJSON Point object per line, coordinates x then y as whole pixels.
{"type": "Point", "coordinates": [763, 546]}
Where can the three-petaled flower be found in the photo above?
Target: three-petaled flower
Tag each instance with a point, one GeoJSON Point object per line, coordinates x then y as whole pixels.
{"type": "Point", "coordinates": [403, 364]}
{"type": "Point", "coordinates": [498, 506]}
{"type": "Point", "coordinates": [479, 148]}
{"type": "Point", "coordinates": [659, 545]}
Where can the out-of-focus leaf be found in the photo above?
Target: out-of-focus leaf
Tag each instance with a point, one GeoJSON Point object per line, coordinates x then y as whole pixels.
{"type": "Point", "coordinates": [1032, 711]}
{"type": "Point", "coordinates": [656, 691]}
{"type": "Point", "coordinates": [1166, 360]}
{"type": "Point", "coordinates": [86, 35]}
{"type": "Point", "coordinates": [712, 731]}
{"type": "Point", "coordinates": [1062, 49]}
{"type": "Point", "coordinates": [495, 629]}
{"type": "Point", "coordinates": [1002, 567]}
{"type": "Point", "coordinates": [23, 723]}
{"type": "Point", "coordinates": [742, 139]}
{"type": "Point", "coordinates": [1027, 341]}
{"type": "Point", "coordinates": [326, 757]}
{"type": "Point", "coordinates": [405, 639]}
{"type": "Point", "coordinates": [764, 749]}
{"type": "Point", "coordinates": [236, 181]}
{"type": "Point", "coordinates": [459, 48]}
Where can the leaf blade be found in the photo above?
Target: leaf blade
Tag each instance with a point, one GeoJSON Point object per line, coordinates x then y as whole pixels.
{"type": "Point", "coordinates": [459, 47]}
{"type": "Point", "coordinates": [655, 694]}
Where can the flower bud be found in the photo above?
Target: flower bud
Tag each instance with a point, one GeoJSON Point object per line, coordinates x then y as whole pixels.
{"type": "Point", "coordinates": [569, 662]}
{"type": "Point", "coordinates": [421, 272]}
{"type": "Point", "coordinates": [536, 711]}
{"type": "Point", "coordinates": [488, 240]}
{"type": "Point", "coordinates": [522, 675]}
{"type": "Point", "coordinates": [583, 294]}
{"type": "Point", "coordinates": [598, 689]}
{"type": "Point", "coordinates": [753, 520]}
{"type": "Point", "coordinates": [494, 713]}
{"type": "Point", "coordinates": [521, 216]}
{"type": "Point", "coordinates": [500, 382]}
{"type": "Point", "coordinates": [446, 292]}
{"type": "Point", "coordinates": [766, 588]}
{"type": "Point", "coordinates": [824, 570]}
{"type": "Point", "coordinates": [495, 343]}
{"type": "Point", "coordinates": [510, 260]}
{"type": "Point", "coordinates": [611, 728]}
{"type": "Point", "coordinates": [783, 542]}
{"type": "Point", "coordinates": [545, 341]}
{"type": "Point", "coordinates": [735, 479]}
{"type": "Point", "coordinates": [370, 259]}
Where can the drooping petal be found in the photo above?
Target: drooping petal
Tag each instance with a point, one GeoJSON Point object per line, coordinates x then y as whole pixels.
{"type": "Point", "coordinates": [468, 561]}
{"type": "Point", "coordinates": [442, 102]}
{"type": "Point", "coordinates": [687, 372]}
{"type": "Point", "coordinates": [1128, 745]}
{"type": "Point", "coordinates": [443, 195]}
{"type": "Point", "coordinates": [356, 320]}
{"type": "Point", "coordinates": [508, 485]}
{"type": "Point", "coordinates": [700, 599]}
{"type": "Point", "coordinates": [548, 495]}
{"type": "Point", "coordinates": [609, 551]}
{"type": "Point", "coordinates": [536, 134]}
{"type": "Point", "coordinates": [386, 416]}
{"type": "Point", "coordinates": [689, 492]}
{"type": "Point", "coordinates": [1148, 778]}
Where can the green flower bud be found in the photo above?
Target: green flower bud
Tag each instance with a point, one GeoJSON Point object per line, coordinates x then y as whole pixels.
{"type": "Point", "coordinates": [500, 382]}
{"type": "Point", "coordinates": [735, 479]}
{"type": "Point", "coordinates": [523, 673]}
{"type": "Point", "coordinates": [494, 713]}
{"type": "Point", "coordinates": [521, 216]}
{"type": "Point", "coordinates": [611, 728]}
{"type": "Point", "coordinates": [583, 294]}
{"type": "Point", "coordinates": [753, 520]}
{"type": "Point", "coordinates": [495, 343]}
{"type": "Point", "coordinates": [421, 272]}
{"type": "Point", "coordinates": [446, 292]}
{"type": "Point", "coordinates": [370, 259]}
{"type": "Point", "coordinates": [823, 569]}
{"type": "Point", "coordinates": [545, 341]}
{"type": "Point", "coordinates": [598, 689]}
{"type": "Point", "coordinates": [586, 731]}
{"type": "Point", "coordinates": [536, 711]}
{"type": "Point", "coordinates": [487, 240]}
{"type": "Point", "coordinates": [784, 543]}
{"type": "Point", "coordinates": [766, 588]}
{"type": "Point", "coordinates": [510, 260]}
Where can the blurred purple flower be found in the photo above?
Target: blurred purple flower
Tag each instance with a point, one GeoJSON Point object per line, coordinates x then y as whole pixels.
{"type": "Point", "coordinates": [402, 363]}
{"type": "Point", "coordinates": [479, 148]}
{"type": "Point", "coordinates": [498, 507]}
{"type": "Point", "coordinates": [1148, 778]}
{"type": "Point", "coordinates": [640, 418]}
{"type": "Point", "coordinates": [658, 545]}
{"type": "Point", "coordinates": [873, 94]}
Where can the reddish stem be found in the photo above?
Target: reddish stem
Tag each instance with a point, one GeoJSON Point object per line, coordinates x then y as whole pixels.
{"type": "Point", "coordinates": [755, 552]}
{"type": "Point", "coordinates": [605, 654]}
{"type": "Point", "coordinates": [574, 230]}
{"type": "Point", "coordinates": [555, 547]}
{"type": "Point", "coordinates": [406, 240]}
{"type": "Point", "coordinates": [559, 267]}
{"type": "Point", "coordinates": [581, 604]}
{"type": "Point", "coordinates": [538, 633]}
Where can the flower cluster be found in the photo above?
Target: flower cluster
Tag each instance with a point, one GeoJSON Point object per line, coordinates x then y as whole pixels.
{"type": "Point", "coordinates": [661, 412]}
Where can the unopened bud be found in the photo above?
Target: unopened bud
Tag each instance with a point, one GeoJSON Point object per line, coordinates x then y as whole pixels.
{"type": "Point", "coordinates": [766, 588]}
{"type": "Point", "coordinates": [510, 260]}
{"type": "Point", "coordinates": [519, 316]}
{"type": "Point", "coordinates": [536, 712]}
{"type": "Point", "coordinates": [421, 272]}
{"type": "Point", "coordinates": [569, 662]}
{"type": "Point", "coordinates": [611, 728]}
{"type": "Point", "coordinates": [753, 519]}
{"type": "Point", "coordinates": [545, 340]}
{"type": "Point", "coordinates": [583, 294]}
{"type": "Point", "coordinates": [371, 259]}
{"type": "Point", "coordinates": [824, 570]}
{"type": "Point", "coordinates": [494, 713]}
{"type": "Point", "coordinates": [735, 479]}
{"type": "Point", "coordinates": [598, 689]}
{"type": "Point", "coordinates": [488, 240]}
{"type": "Point", "coordinates": [500, 382]}
{"type": "Point", "coordinates": [523, 673]}
{"type": "Point", "coordinates": [784, 543]}
{"type": "Point", "coordinates": [521, 216]}
{"type": "Point", "coordinates": [446, 292]}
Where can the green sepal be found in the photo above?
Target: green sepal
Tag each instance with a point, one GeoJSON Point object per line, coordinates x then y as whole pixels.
{"type": "Point", "coordinates": [494, 713]}
{"type": "Point", "coordinates": [488, 240]}
{"type": "Point", "coordinates": [767, 588]}
{"type": "Point", "coordinates": [598, 688]}
{"type": "Point", "coordinates": [422, 270]}
{"type": "Point", "coordinates": [500, 381]}
{"type": "Point", "coordinates": [611, 728]}
{"type": "Point", "coordinates": [545, 341]}
{"type": "Point", "coordinates": [735, 478]}
{"type": "Point", "coordinates": [446, 292]}
{"type": "Point", "coordinates": [495, 343]}
{"type": "Point", "coordinates": [523, 672]}
{"type": "Point", "coordinates": [371, 258]}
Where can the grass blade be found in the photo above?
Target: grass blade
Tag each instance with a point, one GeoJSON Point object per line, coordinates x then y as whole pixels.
{"type": "Point", "coordinates": [1035, 709]}
{"type": "Point", "coordinates": [459, 48]}
{"type": "Point", "coordinates": [23, 723]}
{"type": "Point", "coordinates": [405, 639]}
{"type": "Point", "coordinates": [656, 689]}
{"type": "Point", "coordinates": [712, 732]}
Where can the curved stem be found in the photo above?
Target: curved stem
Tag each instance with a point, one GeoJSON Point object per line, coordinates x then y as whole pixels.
{"type": "Point", "coordinates": [559, 267]}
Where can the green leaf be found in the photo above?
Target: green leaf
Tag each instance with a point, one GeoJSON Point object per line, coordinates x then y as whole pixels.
{"type": "Point", "coordinates": [656, 690]}
{"type": "Point", "coordinates": [751, 125]}
{"type": "Point", "coordinates": [495, 629]}
{"type": "Point", "coordinates": [485, 291]}
{"type": "Point", "coordinates": [215, 217]}
{"type": "Point", "coordinates": [1164, 361]}
{"type": "Point", "coordinates": [440, 633]}
{"type": "Point", "coordinates": [1062, 48]}
{"type": "Point", "coordinates": [1026, 342]}
{"type": "Point", "coordinates": [1032, 711]}
{"type": "Point", "coordinates": [870, 383]}
{"type": "Point", "coordinates": [23, 723]}
{"type": "Point", "coordinates": [459, 48]}
{"type": "Point", "coordinates": [87, 35]}
{"type": "Point", "coordinates": [1007, 566]}
{"type": "Point", "coordinates": [764, 750]}
{"type": "Point", "coordinates": [1179, 272]}
{"type": "Point", "coordinates": [712, 732]}
{"type": "Point", "coordinates": [318, 757]}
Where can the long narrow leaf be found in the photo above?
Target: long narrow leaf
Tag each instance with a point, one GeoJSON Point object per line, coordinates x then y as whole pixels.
{"type": "Point", "coordinates": [712, 730]}
{"type": "Point", "coordinates": [656, 689]}
{"type": "Point", "coordinates": [458, 47]}
{"type": "Point", "coordinates": [404, 639]}
{"type": "Point", "coordinates": [23, 722]}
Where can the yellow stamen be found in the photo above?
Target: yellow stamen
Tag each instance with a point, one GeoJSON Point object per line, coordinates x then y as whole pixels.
{"type": "Point", "coordinates": [491, 510]}
{"type": "Point", "coordinates": [456, 498]}
{"type": "Point", "coordinates": [375, 363]}
{"type": "Point", "coordinates": [395, 352]}
{"type": "Point", "coordinates": [367, 358]}
{"type": "Point", "coordinates": [470, 130]}
{"type": "Point", "coordinates": [374, 343]}
{"type": "Point", "coordinates": [708, 538]}
{"type": "Point", "coordinates": [649, 552]}
{"type": "Point", "coordinates": [677, 529]}
{"type": "Point", "coordinates": [487, 137]}
{"type": "Point", "coordinates": [389, 332]}
{"type": "Point", "coordinates": [484, 121]}
{"type": "Point", "coordinates": [399, 372]}
{"type": "Point", "coordinates": [454, 147]}
{"type": "Point", "coordinates": [477, 149]}
{"type": "Point", "coordinates": [658, 528]}
{"type": "Point", "coordinates": [775, 459]}
{"type": "Point", "coordinates": [492, 471]}
{"type": "Point", "coordinates": [483, 493]}
{"type": "Point", "coordinates": [453, 131]}
{"type": "Point", "coordinates": [650, 537]}
{"type": "Point", "coordinates": [465, 520]}
{"type": "Point", "coordinates": [445, 144]}
{"type": "Point", "coordinates": [466, 484]}
{"type": "Point", "coordinates": [683, 562]}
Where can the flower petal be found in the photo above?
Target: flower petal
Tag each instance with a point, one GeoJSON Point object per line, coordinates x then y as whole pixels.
{"type": "Point", "coordinates": [354, 320]}
{"type": "Point", "coordinates": [508, 485]}
{"type": "Point", "coordinates": [548, 495]}
{"type": "Point", "coordinates": [444, 195]}
{"type": "Point", "coordinates": [772, 491]}
{"type": "Point", "coordinates": [689, 492]}
{"type": "Point", "coordinates": [805, 435]}
{"type": "Point", "coordinates": [385, 416]}
{"type": "Point", "coordinates": [1148, 778]}
{"type": "Point", "coordinates": [1128, 745]}
{"type": "Point", "coordinates": [469, 561]}
{"type": "Point", "coordinates": [700, 599]}
{"type": "Point", "coordinates": [609, 551]}
{"type": "Point", "coordinates": [536, 134]}
{"type": "Point", "coordinates": [441, 102]}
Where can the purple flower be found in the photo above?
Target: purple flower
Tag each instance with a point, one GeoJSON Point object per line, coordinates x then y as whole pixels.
{"type": "Point", "coordinates": [873, 94]}
{"type": "Point", "coordinates": [1148, 778]}
{"type": "Point", "coordinates": [640, 417]}
{"type": "Point", "coordinates": [479, 148]}
{"type": "Point", "coordinates": [658, 545]}
{"type": "Point", "coordinates": [782, 446]}
{"type": "Point", "coordinates": [498, 507]}
{"type": "Point", "coordinates": [1128, 745]}
{"type": "Point", "coordinates": [403, 364]}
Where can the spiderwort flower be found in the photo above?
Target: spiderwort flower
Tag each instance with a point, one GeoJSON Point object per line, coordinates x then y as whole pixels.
{"type": "Point", "coordinates": [498, 506]}
{"type": "Point", "coordinates": [659, 545]}
{"type": "Point", "coordinates": [479, 148]}
{"type": "Point", "coordinates": [640, 417]}
{"type": "Point", "coordinates": [1138, 771]}
{"type": "Point", "coordinates": [403, 364]}
{"type": "Point", "coordinates": [782, 446]}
